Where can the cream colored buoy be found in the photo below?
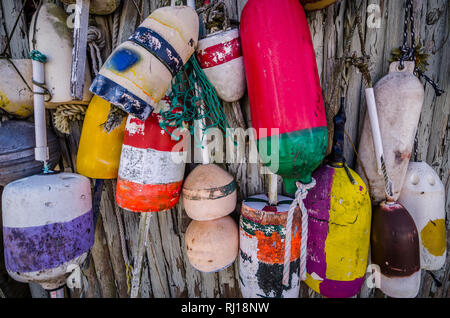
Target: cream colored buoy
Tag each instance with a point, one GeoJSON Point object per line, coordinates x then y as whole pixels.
{"type": "Point", "coordinates": [209, 192]}
{"type": "Point", "coordinates": [16, 98]}
{"type": "Point", "coordinates": [423, 195]}
{"type": "Point", "coordinates": [399, 97]}
{"type": "Point", "coordinates": [54, 39]}
{"type": "Point", "coordinates": [100, 7]}
{"type": "Point", "coordinates": [138, 73]}
{"type": "Point", "coordinates": [212, 245]}
{"type": "Point", "coordinates": [47, 227]}
{"type": "Point", "coordinates": [220, 57]}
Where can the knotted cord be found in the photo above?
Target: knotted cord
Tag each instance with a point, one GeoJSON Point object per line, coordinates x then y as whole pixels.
{"type": "Point", "coordinates": [300, 195]}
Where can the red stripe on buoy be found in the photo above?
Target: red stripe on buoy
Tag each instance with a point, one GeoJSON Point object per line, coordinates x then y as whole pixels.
{"type": "Point", "coordinates": [138, 197]}
{"type": "Point", "coordinates": [149, 134]}
{"type": "Point", "coordinates": [219, 54]}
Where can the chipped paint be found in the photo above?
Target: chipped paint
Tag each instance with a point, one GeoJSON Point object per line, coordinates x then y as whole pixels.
{"type": "Point", "coordinates": [262, 237]}
{"type": "Point", "coordinates": [339, 233]}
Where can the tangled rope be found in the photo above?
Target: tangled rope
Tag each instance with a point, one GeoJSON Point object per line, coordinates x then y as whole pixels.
{"type": "Point", "coordinates": [66, 113]}
{"type": "Point", "coordinates": [300, 195]}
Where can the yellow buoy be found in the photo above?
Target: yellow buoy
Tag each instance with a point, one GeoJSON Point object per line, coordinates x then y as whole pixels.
{"type": "Point", "coordinates": [99, 151]}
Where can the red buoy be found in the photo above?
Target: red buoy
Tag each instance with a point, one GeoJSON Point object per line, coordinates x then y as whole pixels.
{"type": "Point", "coordinates": [284, 87]}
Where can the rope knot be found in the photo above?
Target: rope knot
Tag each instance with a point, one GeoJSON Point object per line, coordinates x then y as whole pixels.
{"type": "Point", "coordinates": [302, 189]}
{"type": "Point", "coordinates": [300, 195]}
{"type": "Point", "coordinates": [35, 55]}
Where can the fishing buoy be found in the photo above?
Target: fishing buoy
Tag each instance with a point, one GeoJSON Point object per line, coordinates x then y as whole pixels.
{"type": "Point", "coordinates": [209, 192]}
{"type": "Point", "coordinates": [99, 151]}
{"type": "Point", "coordinates": [16, 96]}
{"type": "Point", "coordinates": [138, 73]}
{"type": "Point", "coordinates": [100, 7]}
{"type": "Point", "coordinates": [53, 38]}
{"type": "Point", "coordinates": [220, 57]}
{"type": "Point", "coordinates": [399, 97]}
{"type": "Point", "coordinates": [339, 232]}
{"type": "Point", "coordinates": [151, 172]}
{"type": "Point", "coordinates": [339, 211]}
{"type": "Point", "coordinates": [423, 195]}
{"type": "Point", "coordinates": [262, 246]}
{"type": "Point", "coordinates": [395, 249]}
{"type": "Point", "coordinates": [312, 5]}
{"type": "Point", "coordinates": [17, 144]}
{"type": "Point", "coordinates": [47, 227]}
{"type": "Point", "coordinates": [212, 246]}
{"type": "Point", "coordinates": [284, 96]}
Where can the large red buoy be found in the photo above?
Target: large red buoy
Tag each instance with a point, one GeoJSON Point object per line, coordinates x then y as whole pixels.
{"type": "Point", "coordinates": [284, 88]}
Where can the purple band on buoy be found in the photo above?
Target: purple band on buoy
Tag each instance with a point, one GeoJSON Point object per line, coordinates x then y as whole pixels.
{"type": "Point", "coordinates": [36, 248]}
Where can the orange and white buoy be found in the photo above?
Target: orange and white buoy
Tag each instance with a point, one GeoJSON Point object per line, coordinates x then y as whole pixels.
{"type": "Point", "coordinates": [150, 172]}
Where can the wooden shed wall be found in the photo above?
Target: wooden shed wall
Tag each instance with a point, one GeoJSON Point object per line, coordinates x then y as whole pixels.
{"type": "Point", "coordinates": [167, 272]}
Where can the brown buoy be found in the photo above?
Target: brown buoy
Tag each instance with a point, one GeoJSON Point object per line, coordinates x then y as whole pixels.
{"type": "Point", "coordinates": [212, 245]}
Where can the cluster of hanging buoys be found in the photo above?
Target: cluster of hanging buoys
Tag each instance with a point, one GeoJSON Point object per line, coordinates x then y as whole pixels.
{"type": "Point", "coordinates": [397, 101]}
{"type": "Point", "coordinates": [99, 151]}
{"type": "Point", "coordinates": [16, 96]}
{"type": "Point", "coordinates": [100, 7]}
{"type": "Point", "coordinates": [209, 196]}
{"type": "Point", "coordinates": [339, 211]}
{"type": "Point", "coordinates": [138, 73]}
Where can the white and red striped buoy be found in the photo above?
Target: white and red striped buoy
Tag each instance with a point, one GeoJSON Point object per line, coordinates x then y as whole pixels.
{"type": "Point", "coordinates": [150, 172]}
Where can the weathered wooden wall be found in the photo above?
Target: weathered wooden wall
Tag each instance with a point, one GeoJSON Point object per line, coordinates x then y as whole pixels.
{"type": "Point", "coordinates": [167, 272]}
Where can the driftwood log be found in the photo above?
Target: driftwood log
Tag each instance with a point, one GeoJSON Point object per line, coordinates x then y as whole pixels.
{"type": "Point", "coordinates": [166, 270]}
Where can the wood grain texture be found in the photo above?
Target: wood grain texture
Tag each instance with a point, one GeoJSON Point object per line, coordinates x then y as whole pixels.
{"type": "Point", "coordinates": [166, 269]}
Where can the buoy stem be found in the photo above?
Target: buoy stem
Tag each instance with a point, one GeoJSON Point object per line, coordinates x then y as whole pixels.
{"type": "Point", "coordinates": [273, 189]}
{"type": "Point", "coordinates": [41, 150]}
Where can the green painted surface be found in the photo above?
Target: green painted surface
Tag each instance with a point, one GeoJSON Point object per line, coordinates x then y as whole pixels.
{"type": "Point", "coordinates": [300, 153]}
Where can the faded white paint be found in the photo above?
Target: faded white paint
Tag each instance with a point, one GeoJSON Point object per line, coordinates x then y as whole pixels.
{"type": "Point", "coordinates": [149, 166]}
{"type": "Point", "coordinates": [228, 78]}
{"type": "Point", "coordinates": [399, 97]}
{"type": "Point", "coordinates": [50, 278]}
{"type": "Point", "coordinates": [45, 199]}
{"type": "Point", "coordinates": [406, 287]}
{"type": "Point", "coordinates": [423, 195]}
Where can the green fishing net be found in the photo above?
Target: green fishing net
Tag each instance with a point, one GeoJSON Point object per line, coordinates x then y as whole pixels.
{"type": "Point", "coordinates": [193, 98]}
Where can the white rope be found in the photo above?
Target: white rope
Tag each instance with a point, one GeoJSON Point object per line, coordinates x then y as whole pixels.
{"type": "Point", "coordinates": [116, 24]}
{"type": "Point", "coordinates": [300, 195]}
{"type": "Point", "coordinates": [96, 41]}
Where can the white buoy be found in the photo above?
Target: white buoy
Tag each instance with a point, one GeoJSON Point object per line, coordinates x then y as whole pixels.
{"type": "Point", "coordinates": [423, 195]}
